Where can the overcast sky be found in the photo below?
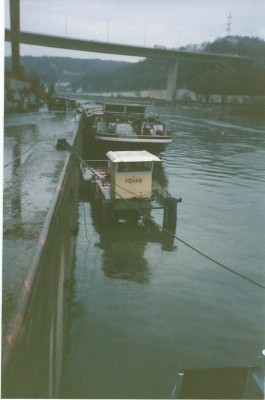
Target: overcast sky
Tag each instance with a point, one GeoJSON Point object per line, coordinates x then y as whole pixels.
{"type": "Point", "coordinates": [172, 23]}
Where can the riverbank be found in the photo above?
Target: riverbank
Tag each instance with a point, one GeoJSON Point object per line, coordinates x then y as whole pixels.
{"type": "Point", "coordinates": [40, 202]}
{"type": "Point", "coordinates": [183, 96]}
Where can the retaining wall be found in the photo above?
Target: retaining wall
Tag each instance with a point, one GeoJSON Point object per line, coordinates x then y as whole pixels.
{"type": "Point", "coordinates": [182, 95]}
{"type": "Point", "coordinates": [32, 349]}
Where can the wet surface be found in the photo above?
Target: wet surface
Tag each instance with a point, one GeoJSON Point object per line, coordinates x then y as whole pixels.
{"type": "Point", "coordinates": [32, 167]}
{"type": "Point", "coordinates": [139, 313]}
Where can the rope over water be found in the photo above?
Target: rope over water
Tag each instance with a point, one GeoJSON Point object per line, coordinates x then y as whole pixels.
{"type": "Point", "coordinates": [229, 269]}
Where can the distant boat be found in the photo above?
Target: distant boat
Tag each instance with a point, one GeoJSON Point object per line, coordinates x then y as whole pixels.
{"type": "Point", "coordinates": [120, 126]}
{"type": "Point", "coordinates": [60, 102]}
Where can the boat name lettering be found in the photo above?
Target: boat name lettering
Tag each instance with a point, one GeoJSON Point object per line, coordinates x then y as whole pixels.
{"type": "Point", "coordinates": [133, 180]}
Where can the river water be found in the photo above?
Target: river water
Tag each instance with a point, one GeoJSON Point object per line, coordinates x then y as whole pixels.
{"type": "Point", "coordinates": [139, 313]}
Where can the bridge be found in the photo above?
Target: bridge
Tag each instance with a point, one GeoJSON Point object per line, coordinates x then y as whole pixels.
{"type": "Point", "coordinates": [15, 36]}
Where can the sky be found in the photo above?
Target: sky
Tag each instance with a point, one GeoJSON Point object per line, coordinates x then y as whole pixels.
{"type": "Point", "coordinates": [171, 23]}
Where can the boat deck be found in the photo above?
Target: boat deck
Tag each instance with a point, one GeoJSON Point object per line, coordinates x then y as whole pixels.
{"type": "Point", "coordinates": [124, 125]}
{"type": "Point", "coordinates": [100, 176]}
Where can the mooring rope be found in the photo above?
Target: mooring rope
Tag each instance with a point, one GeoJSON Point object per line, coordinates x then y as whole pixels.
{"type": "Point", "coordinates": [74, 151]}
{"type": "Point", "coordinates": [200, 252]}
{"type": "Point", "coordinates": [12, 161]}
{"type": "Point", "coordinates": [28, 149]}
{"type": "Point", "coordinates": [229, 269]}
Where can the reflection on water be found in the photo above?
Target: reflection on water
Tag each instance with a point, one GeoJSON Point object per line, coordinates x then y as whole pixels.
{"type": "Point", "coordinates": [124, 254]}
{"type": "Point", "coordinates": [16, 195]}
{"type": "Point", "coordinates": [140, 313]}
{"type": "Point", "coordinates": [123, 244]}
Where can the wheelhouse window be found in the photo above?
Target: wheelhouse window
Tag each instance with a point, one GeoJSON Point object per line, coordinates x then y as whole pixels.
{"type": "Point", "coordinates": [141, 166]}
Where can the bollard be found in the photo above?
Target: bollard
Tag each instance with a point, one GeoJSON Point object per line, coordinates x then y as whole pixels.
{"type": "Point", "coordinates": [62, 144]}
{"type": "Point", "coordinates": [170, 214]}
{"type": "Point", "coordinates": [170, 222]}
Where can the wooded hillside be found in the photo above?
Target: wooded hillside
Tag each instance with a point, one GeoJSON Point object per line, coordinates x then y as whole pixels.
{"type": "Point", "coordinates": [204, 78]}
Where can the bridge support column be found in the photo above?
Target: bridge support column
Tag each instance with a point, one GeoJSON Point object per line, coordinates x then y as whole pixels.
{"type": "Point", "coordinates": [15, 28]}
{"type": "Point", "coordinates": [171, 89]}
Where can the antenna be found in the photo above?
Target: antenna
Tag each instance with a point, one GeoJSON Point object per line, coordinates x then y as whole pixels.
{"type": "Point", "coordinates": [107, 33]}
{"type": "Point", "coordinates": [229, 23]}
{"type": "Point", "coordinates": [66, 25]}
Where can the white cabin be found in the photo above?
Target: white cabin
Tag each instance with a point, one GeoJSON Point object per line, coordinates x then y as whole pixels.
{"type": "Point", "coordinates": [131, 173]}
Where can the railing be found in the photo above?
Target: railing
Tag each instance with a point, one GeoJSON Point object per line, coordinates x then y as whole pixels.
{"type": "Point", "coordinates": [90, 111]}
{"type": "Point", "coordinates": [134, 136]}
{"type": "Point", "coordinates": [98, 168]}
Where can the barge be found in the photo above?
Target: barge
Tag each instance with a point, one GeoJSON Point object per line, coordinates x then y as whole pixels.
{"type": "Point", "coordinates": [114, 126]}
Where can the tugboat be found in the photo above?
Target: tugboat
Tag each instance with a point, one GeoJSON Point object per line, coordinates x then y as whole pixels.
{"type": "Point", "coordinates": [116, 126]}
{"type": "Point", "coordinates": [123, 188]}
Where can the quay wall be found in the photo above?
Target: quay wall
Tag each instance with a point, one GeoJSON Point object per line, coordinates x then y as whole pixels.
{"type": "Point", "coordinates": [18, 95]}
{"type": "Point", "coordinates": [182, 96]}
{"type": "Point", "coordinates": [32, 348]}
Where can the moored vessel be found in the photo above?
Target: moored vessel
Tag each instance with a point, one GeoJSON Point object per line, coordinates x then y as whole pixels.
{"type": "Point", "coordinates": [123, 188]}
{"type": "Point", "coordinates": [118, 126]}
{"type": "Point", "coordinates": [60, 102]}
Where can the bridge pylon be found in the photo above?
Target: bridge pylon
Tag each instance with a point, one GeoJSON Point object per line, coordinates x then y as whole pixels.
{"type": "Point", "coordinates": [15, 40]}
{"type": "Point", "coordinates": [171, 88]}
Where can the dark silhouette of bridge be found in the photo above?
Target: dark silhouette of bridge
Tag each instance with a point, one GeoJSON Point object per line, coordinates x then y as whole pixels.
{"type": "Point", "coordinates": [61, 42]}
{"type": "Point", "coordinates": [15, 36]}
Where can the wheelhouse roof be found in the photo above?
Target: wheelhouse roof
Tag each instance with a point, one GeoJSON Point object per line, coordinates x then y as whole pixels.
{"type": "Point", "coordinates": [131, 156]}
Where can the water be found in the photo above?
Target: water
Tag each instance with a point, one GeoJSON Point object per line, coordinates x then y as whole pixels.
{"type": "Point", "coordinates": [139, 313]}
